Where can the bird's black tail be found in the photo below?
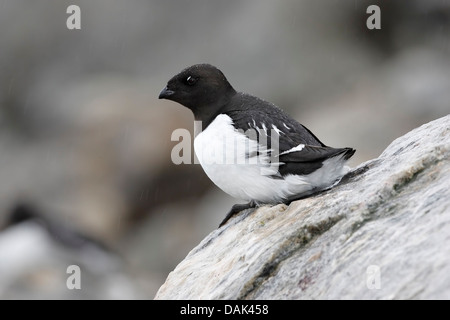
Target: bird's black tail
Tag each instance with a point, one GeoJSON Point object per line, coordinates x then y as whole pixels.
{"type": "Point", "coordinates": [347, 153]}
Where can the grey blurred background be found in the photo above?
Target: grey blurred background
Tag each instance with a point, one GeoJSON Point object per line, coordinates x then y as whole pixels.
{"type": "Point", "coordinates": [85, 142]}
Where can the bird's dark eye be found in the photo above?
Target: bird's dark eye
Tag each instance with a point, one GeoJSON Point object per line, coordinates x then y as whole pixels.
{"type": "Point", "coordinates": [190, 80]}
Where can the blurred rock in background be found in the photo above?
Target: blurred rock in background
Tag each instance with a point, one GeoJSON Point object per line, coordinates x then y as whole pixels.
{"type": "Point", "coordinates": [84, 138]}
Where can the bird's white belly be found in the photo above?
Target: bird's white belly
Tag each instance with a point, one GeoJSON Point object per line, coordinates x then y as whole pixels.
{"type": "Point", "coordinates": [221, 151]}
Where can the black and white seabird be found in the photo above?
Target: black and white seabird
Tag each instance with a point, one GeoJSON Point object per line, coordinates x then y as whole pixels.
{"type": "Point", "coordinates": [249, 147]}
{"type": "Point", "coordinates": [31, 241]}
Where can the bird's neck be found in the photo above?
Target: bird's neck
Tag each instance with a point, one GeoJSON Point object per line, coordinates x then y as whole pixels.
{"type": "Point", "coordinates": [207, 113]}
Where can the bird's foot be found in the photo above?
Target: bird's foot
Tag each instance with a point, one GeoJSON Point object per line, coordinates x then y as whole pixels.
{"type": "Point", "coordinates": [236, 209]}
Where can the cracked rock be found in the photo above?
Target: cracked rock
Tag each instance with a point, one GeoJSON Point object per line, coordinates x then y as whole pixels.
{"type": "Point", "coordinates": [382, 233]}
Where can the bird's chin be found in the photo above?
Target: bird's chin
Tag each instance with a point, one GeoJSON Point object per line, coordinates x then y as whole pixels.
{"type": "Point", "coordinates": [166, 94]}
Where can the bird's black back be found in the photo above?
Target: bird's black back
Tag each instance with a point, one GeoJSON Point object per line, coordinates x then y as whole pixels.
{"type": "Point", "coordinates": [253, 114]}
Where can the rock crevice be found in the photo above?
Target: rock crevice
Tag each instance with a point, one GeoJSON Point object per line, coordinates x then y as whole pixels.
{"type": "Point", "coordinates": [285, 250]}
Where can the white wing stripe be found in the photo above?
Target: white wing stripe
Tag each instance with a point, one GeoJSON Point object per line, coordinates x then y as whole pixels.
{"type": "Point", "coordinates": [294, 149]}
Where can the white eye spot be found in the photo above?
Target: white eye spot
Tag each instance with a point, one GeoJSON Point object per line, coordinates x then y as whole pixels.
{"type": "Point", "coordinates": [190, 80]}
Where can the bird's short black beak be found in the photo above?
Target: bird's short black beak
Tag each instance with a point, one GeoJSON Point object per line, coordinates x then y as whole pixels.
{"type": "Point", "coordinates": [165, 93]}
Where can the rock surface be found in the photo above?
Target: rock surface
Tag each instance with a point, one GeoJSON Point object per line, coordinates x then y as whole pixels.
{"type": "Point", "coordinates": [382, 234]}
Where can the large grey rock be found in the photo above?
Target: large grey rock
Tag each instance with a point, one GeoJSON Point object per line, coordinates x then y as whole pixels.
{"type": "Point", "coordinates": [382, 234]}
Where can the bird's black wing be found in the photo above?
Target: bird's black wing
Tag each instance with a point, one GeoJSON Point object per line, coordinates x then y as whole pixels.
{"type": "Point", "coordinates": [310, 158]}
{"type": "Point", "coordinates": [293, 145]}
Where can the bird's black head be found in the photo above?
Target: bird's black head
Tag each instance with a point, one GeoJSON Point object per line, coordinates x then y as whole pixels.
{"type": "Point", "coordinates": [202, 88]}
